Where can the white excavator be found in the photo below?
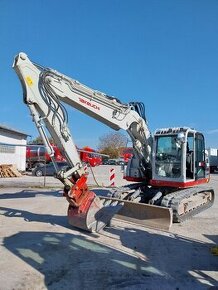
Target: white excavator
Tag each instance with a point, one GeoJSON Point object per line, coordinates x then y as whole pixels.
{"type": "Point", "coordinates": [169, 170]}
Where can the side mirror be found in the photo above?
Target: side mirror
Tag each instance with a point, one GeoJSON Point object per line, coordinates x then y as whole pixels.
{"type": "Point", "coordinates": [180, 138]}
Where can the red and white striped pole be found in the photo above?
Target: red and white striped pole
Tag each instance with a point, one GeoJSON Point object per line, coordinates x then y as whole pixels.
{"type": "Point", "coordinates": [112, 177]}
{"type": "Point", "coordinates": [86, 168]}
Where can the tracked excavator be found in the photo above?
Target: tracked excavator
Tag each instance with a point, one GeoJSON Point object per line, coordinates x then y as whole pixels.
{"type": "Point", "coordinates": [169, 170]}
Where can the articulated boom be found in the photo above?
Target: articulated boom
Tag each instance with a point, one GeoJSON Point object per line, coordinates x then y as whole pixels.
{"type": "Point", "coordinates": [47, 89]}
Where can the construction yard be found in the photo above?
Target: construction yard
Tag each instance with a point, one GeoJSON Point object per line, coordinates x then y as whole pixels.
{"type": "Point", "coordinates": [39, 250]}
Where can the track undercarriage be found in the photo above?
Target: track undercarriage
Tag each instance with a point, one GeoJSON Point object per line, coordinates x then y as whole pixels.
{"type": "Point", "coordinates": [188, 202]}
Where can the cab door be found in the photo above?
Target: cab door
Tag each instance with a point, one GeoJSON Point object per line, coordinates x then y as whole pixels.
{"type": "Point", "coordinates": [200, 164]}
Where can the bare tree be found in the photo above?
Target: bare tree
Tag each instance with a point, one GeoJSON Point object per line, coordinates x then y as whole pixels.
{"type": "Point", "coordinates": [111, 144]}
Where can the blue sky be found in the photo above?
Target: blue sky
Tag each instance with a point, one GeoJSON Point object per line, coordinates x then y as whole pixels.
{"type": "Point", "coordinates": [163, 53]}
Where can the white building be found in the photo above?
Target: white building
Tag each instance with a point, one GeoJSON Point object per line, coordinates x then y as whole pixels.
{"type": "Point", "coordinates": [10, 154]}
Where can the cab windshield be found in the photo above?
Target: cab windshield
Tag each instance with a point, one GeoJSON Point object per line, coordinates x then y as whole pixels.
{"type": "Point", "coordinates": [168, 157]}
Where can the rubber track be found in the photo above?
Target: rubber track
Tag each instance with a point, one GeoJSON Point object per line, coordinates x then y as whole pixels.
{"type": "Point", "coordinates": [173, 200]}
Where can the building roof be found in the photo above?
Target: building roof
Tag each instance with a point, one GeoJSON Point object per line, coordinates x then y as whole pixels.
{"type": "Point", "coordinates": [6, 128]}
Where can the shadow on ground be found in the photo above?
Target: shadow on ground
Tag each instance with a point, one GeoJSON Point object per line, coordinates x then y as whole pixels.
{"type": "Point", "coordinates": [34, 217]}
{"type": "Point", "coordinates": [145, 261]}
{"type": "Point", "coordinates": [30, 194]}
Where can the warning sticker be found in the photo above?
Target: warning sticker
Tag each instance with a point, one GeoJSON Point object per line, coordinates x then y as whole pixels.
{"type": "Point", "coordinates": [29, 81]}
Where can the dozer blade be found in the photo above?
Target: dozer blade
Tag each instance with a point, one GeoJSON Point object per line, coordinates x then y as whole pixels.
{"type": "Point", "coordinates": [146, 215]}
{"type": "Point", "coordinates": [95, 217]}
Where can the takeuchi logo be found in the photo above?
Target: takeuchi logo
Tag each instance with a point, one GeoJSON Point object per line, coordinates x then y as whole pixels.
{"type": "Point", "coordinates": [89, 104]}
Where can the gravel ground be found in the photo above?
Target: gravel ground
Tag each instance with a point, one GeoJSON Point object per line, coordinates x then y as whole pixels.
{"type": "Point", "coordinates": [39, 250]}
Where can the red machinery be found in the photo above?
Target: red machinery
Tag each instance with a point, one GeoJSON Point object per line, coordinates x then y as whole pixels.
{"type": "Point", "coordinates": [36, 154]}
{"type": "Point", "coordinates": [126, 153]}
{"type": "Point", "coordinates": [89, 156]}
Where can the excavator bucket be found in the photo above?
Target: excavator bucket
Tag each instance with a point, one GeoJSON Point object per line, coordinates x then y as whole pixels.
{"type": "Point", "coordinates": [86, 211]}
{"type": "Point", "coordinates": [94, 217]}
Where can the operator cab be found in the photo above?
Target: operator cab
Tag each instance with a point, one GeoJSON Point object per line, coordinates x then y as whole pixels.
{"type": "Point", "coordinates": [178, 158]}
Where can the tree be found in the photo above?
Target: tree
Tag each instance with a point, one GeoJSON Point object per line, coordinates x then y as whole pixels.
{"type": "Point", "coordinates": [111, 144]}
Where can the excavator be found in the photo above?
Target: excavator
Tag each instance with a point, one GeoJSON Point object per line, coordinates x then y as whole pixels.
{"type": "Point", "coordinates": [168, 172]}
